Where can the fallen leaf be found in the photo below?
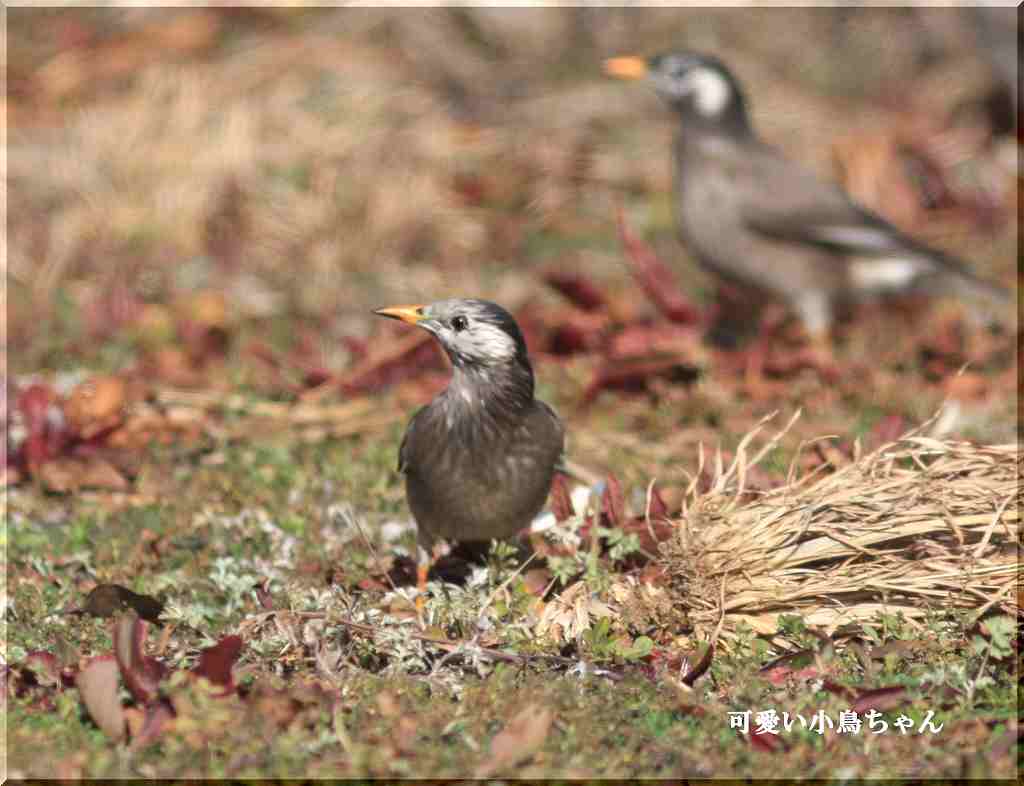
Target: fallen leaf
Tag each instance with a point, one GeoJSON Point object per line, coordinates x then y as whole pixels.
{"type": "Point", "coordinates": [98, 686]}
{"type": "Point", "coordinates": [44, 439]}
{"type": "Point", "coordinates": [693, 674]}
{"type": "Point", "coordinates": [520, 738]}
{"type": "Point", "coordinates": [141, 673]}
{"type": "Point", "coordinates": [577, 288]}
{"type": "Point", "coordinates": [398, 360]}
{"type": "Point", "coordinates": [655, 278]}
{"type": "Point", "coordinates": [561, 501]}
{"type": "Point", "coordinates": [216, 662]}
{"type": "Point", "coordinates": [613, 503]}
{"type": "Point", "coordinates": [767, 743]}
{"type": "Point", "coordinates": [880, 699]}
{"type": "Point", "coordinates": [636, 376]}
{"type": "Point", "coordinates": [657, 509]}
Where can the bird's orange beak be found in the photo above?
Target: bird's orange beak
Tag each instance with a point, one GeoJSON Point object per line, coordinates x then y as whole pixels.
{"type": "Point", "coordinates": [626, 67]}
{"type": "Point", "coordinates": [410, 314]}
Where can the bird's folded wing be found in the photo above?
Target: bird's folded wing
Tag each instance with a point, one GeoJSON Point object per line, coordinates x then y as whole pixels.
{"type": "Point", "coordinates": [799, 207]}
{"type": "Point", "coordinates": [404, 447]}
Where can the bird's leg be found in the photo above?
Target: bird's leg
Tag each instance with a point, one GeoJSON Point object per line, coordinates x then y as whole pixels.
{"type": "Point", "coordinates": [756, 354]}
{"type": "Point", "coordinates": [815, 310]}
{"type": "Point", "coordinates": [429, 554]}
{"type": "Point", "coordinates": [424, 562]}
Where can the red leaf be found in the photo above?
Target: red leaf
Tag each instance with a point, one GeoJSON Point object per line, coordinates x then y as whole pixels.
{"type": "Point", "coordinates": [577, 288]}
{"type": "Point", "coordinates": [263, 595]}
{"type": "Point", "coordinates": [215, 662]}
{"type": "Point", "coordinates": [577, 332]}
{"type": "Point", "coordinates": [655, 278]}
{"type": "Point", "coordinates": [636, 377]}
{"type": "Point", "coordinates": [838, 690]}
{"type": "Point", "coordinates": [794, 665]}
{"type": "Point", "coordinates": [613, 503]}
{"type": "Point", "coordinates": [141, 673]}
{"type": "Point", "coordinates": [561, 502]}
{"type": "Point", "coordinates": [880, 699]}
{"type": "Point", "coordinates": [397, 361]}
{"type": "Point", "coordinates": [657, 508]}
{"type": "Point", "coordinates": [44, 440]}
{"type": "Point", "coordinates": [649, 535]}
{"type": "Point", "coordinates": [767, 743]}
{"type": "Point", "coordinates": [658, 339]}
{"type": "Point", "coordinates": [357, 347]}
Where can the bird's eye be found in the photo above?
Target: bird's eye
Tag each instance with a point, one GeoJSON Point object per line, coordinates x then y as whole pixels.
{"type": "Point", "coordinates": [459, 324]}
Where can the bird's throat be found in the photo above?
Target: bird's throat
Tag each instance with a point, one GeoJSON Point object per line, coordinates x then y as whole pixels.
{"type": "Point", "coordinates": [489, 393]}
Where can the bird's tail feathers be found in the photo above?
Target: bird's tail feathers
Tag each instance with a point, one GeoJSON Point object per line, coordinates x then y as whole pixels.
{"type": "Point", "coordinates": [987, 303]}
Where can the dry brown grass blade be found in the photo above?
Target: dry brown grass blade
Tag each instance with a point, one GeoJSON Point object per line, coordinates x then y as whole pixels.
{"type": "Point", "coordinates": [920, 522]}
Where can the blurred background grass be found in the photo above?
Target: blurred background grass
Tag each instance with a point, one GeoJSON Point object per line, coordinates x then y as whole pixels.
{"type": "Point", "coordinates": [310, 164]}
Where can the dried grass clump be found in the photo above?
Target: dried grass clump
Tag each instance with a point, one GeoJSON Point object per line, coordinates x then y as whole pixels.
{"type": "Point", "coordinates": [917, 524]}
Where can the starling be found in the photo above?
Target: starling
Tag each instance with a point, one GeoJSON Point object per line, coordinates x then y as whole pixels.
{"type": "Point", "coordinates": [479, 459]}
{"type": "Point", "coordinates": [755, 218]}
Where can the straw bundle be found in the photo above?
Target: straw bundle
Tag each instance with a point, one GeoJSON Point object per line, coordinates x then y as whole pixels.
{"type": "Point", "coordinates": [918, 523]}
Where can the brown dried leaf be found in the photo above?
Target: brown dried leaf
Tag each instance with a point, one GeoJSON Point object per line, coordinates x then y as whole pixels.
{"type": "Point", "coordinates": [522, 735]}
{"type": "Point", "coordinates": [880, 699]}
{"type": "Point", "coordinates": [98, 687]}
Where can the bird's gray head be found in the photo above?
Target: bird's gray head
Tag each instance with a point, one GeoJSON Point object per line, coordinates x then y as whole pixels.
{"type": "Point", "coordinates": [476, 334]}
{"type": "Point", "coordinates": [702, 91]}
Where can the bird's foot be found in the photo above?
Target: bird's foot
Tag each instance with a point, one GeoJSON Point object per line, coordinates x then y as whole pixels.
{"type": "Point", "coordinates": [422, 571]}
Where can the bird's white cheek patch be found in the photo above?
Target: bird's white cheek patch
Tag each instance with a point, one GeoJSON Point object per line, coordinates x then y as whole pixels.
{"type": "Point", "coordinates": [711, 93]}
{"type": "Point", "coordinates": [883, 274]}
{"type": "Point", "coordinates": [493, 343]}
